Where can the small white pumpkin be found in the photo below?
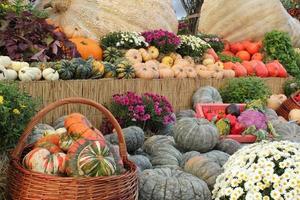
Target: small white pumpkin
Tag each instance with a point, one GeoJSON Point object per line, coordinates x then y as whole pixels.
{"type": "Point", "coordinates": [11, 74]}
{"type": "Point", "coordinates": [30, 74]}
{"type": "Point", "coordinates": [50, 74]}
{"type": "Point", "coordinates": [294, 115]}
{"type": "Point", "coordinates": [2, 73]}
{"type": "Point", "coordinates": [5, 61]}
{"type": "Point", "coordinates": [17, 66]}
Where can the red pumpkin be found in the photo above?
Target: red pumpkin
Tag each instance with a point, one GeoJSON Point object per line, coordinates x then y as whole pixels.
{"type": "Point", "coordinates": [281, 70]}
{"type": "Point", "coordinates": [240, 70]}
{"type": "Point", "coordinates": [257, 56]}
{"type": "Point", "coordinates": [249, 67]}
{"type": "Point", "coordinates": [260, 68]}
{"type": "Point", "coordinates": [253, 48]}
{"type": "Point", "coordinates": [236, 47]}
{"type": "Point", "coordinates": [228, 65]}
{"type": "Point", "coordinates": [273, 69]}
{"type": "Point", "coordinates": [243, 55]}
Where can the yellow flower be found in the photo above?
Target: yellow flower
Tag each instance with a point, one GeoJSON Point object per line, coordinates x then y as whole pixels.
{"type": "Point", "coordinates": [16, 111]}
{"type": "Point", "coordinates": [1, 100]}
{"type": "Point", "coordinates": [23, 106]}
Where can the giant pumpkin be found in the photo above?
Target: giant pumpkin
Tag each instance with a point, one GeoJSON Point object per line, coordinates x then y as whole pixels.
{"type": "Point", "coordinates": [171, 184]}
{"type": "Point", "coordinates": [95, 19]}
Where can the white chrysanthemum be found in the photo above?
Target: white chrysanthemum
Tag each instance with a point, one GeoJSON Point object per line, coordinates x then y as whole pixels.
{"type": "Point", "coordinates": [270, 170]}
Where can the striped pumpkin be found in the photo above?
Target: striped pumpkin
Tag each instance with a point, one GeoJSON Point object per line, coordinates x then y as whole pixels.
{"type": "Point", "coordinates": [90, 159]}
{"type": "Point", "coordinates": [41, 160]}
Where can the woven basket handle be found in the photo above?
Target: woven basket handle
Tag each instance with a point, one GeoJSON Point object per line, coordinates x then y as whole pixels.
{"type": "Point", "coordinates": [35, 120]}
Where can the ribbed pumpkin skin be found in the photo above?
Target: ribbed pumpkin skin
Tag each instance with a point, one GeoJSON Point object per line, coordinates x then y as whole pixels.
{"type": "Point", "coordinates": [165, 154]}
{"type": "Point", "coordinates": [38, 132]}
{"type": "Point", "coordinates": [84, 69]}
{"type": "Point", "coordinates": [149, 145]}
{"type": "Point", "coordinates": [41, 160]}
{"type": "Point", "coordinates": [188, 155]}
{"type": "Point", "coordinates": [228, 146]}
{"type": "Point", "coordinates": [288, 131]}
{"type": "Point", "coordinates": [142, 162]}
{"type": "Point", "coordinates": [52, 148]}
{"type": "Point", "coordinates": [171, 184]}
{"type": "Point", "coordinates": [193, 134]}
{"type": "Point", "coordinates": [271, 114]}
{"type": "Point", "coordinates": [218, 157]}
{"type": "Point", "coordinates": [134, 137]}
{"type": "Point", "coordinates": [65, 69]}
{"type": "Point", "coordinates": [185, 113]}
{"type": "Point", "coordinates": [90, 159]}
{"type": "Point", "coordinates": [204, 168]}
{"type": "Point", "coordinates": [206, 94]}
{"type": "Point", "coordinates": [167, 130]}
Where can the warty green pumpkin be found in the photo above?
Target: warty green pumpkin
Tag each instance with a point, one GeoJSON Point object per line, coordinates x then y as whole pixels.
{"type": "Point", "coordinates": [134, 137]}
{"type": "Point", "coordinates": [204, 168]}
{"type": "Point", "coordinates": [171, 184]}
{"type": "Point", "coordinates": [192, 134]}
{"type": "Point", "coordinates": [90, 159]}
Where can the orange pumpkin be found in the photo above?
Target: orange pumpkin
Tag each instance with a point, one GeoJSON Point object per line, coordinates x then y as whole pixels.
{"type": "Point", "coordinates": [144, 72]}
{"type": "Point", "coordinates": [179, 72]}
{"type": "Point", "coordinates": [88, 48]}
{"type": "Point", "coordinates": [166, 72]}
{"type": "Point", "coordinates": [54, 139]}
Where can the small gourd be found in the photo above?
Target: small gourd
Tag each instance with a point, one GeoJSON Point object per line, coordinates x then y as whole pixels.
{"type": "Point", "coordinates": [50, 74]}
{"type": "Point", "coordinates": [134, 56]}
{"type": "Point", "coordinates": [229, 73]}
{"type": "Point", "coordinates": [191, 72]}
{"type": "Point", "coordinates": [98, 69]}
{"type": "Point", "coordinates": [168, 60]}
{"type": "Point", "coordinates": [11, 74]}
{"type": "Point", "coordinates": [2, 73]}
{"type": "Point", "coordinates": [294, 115]}
{"type": "Point", "coordinates": [166, 72]}
{"type": "Point", "coordinates": [208, 61]}
{"type": "Point", "coordinates": [17, 66]}
{"type": "Point", "coordinates": [179, 72]}
{"type": "Point", "coordinates": [153, 51]}
{"type": "Point", "coordinates": [145, 55]}
{"type": "Point", "coordinates": [182, 63]}
{"type": "Point", "coordinates": [144, 72]}
{"type": "Point", "coordinates": [218, 75]}
{"type": "Point", "coordinates": [5, 61]}
{"type": "Point", "coordinates": [30, 74]}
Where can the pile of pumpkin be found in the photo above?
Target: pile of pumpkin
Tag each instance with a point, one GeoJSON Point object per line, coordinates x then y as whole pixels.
{"type": "Point", "coordinates": [73, 148]}
{"type": "Point", "coordinates": [252, 61]}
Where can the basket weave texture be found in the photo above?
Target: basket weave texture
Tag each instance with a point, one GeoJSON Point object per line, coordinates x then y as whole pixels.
{"type": "Point", "coordinates": [27, 185]}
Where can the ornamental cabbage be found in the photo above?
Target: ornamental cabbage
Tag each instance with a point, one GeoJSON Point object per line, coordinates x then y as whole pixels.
{"type": "Point", "coordinates": [253, 118]}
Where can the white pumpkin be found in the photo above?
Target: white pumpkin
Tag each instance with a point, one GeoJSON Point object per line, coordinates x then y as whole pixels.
{"type": "Point", "coordinates": [11, 74]}
{"type": "Point", "coordinates": [2, 73]}
{"type": "Point", "coordinates": [17, 66]}
{"type": "Point", "coordinates": [30, 74]}
{"type": "Point", "coordinates": [50, 74]}
{"type": "Point", "coordinates": [5, 61]}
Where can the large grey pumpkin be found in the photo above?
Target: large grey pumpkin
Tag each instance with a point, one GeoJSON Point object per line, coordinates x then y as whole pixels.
{"type": "Point", "coordinates": [185, 113]}
{"type": "Point", "coordinates": [207, 94]}
{"type": "Point", "coordinates": [219, 157]}
{"type": "Point", "coordinates": [188, 155]}
{"type": "Point", "coordinates": [228, 146]}
{"type": "Point", "coordinates": [166, 130]}
{"type": "Point", "coordinates": [151, 142]}
{"type": "Point", "coordinates": [38, 132]}
{"type": "Point", "coordinates": [165, 154]}
{"type": "Point", "coordinates": [134, 138]}
{"type": "Point", "coordinates": [192, 134]}
{"type": "Point", "coordinates": [59, 123]}
{"type": "Point", "coordinates": [287, 131]}
{"type": "Point", "coordinates": [204, 168]}
{"type": "Point", "coordinates": [171, 184]}
{"type": "Point", "coordinates": [142, 162]}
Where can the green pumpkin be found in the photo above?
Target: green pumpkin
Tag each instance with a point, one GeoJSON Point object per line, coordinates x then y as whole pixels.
{"type": "Point", "coordinates": [84, 69]}
{"type": "Point", "coordinates": [90, 159]}
{"type": "Point", "coordinates": [66, 69]}
{"type": "Point", "coordinates": [125, 70]}
{"type": "Point", "coordinates": [110, 70]}
{"type": "Point", "coordinates": [111, 54]}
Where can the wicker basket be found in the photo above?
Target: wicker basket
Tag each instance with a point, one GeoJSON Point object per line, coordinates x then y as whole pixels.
{"type": "Point", "coordinates": [27, 185]}
{"type": "Point", "coordinates": [287, 106]}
